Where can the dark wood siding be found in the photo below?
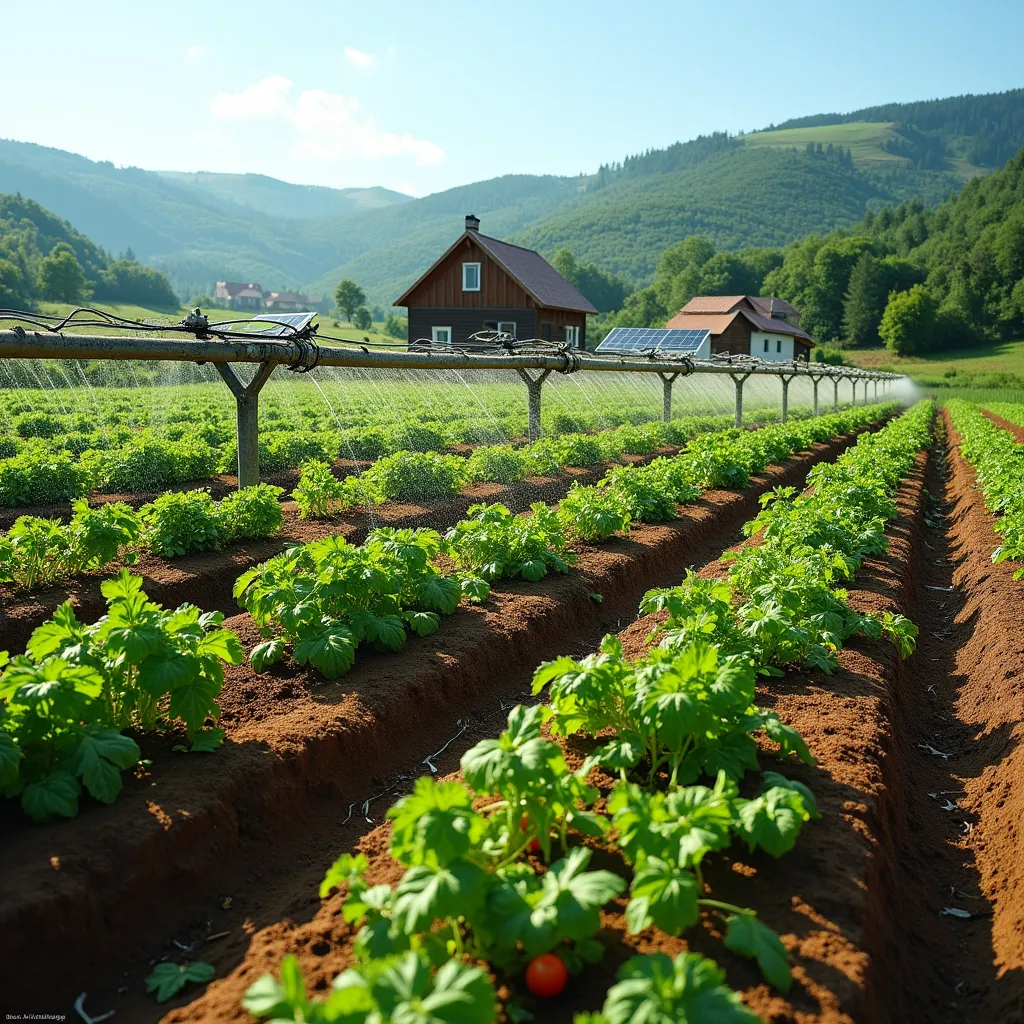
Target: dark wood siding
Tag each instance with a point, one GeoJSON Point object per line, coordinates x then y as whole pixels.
{"type": "Point", "coordinates": [801, 350]}
{"type": "Point", "coordinates": [735, 339]}
{"type": "Point", "coordinates": [558, 320]}
{"type": "Point", "coordinates": [466, 321]}
{"type": "Point", "coordinates": [443, 287]}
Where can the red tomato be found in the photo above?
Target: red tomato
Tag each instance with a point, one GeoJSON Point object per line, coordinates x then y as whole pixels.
{"type": "Point", "coordinates": [546, 976]}
{"type": "Point", "coordinates": [524, 824]}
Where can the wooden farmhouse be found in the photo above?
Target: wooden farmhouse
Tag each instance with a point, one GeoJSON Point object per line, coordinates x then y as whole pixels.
{"type": "Point", "coordinates": [484, 284]}
{"type": "Point", "coordinates": [747, 325]}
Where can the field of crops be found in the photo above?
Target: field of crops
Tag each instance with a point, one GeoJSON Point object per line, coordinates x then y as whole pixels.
{"type": "Point", "coordinates": [637, 722]}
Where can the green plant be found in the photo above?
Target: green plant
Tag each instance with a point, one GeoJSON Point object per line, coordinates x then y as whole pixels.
{"type": "Point", "coordinates": [499, 464]}
{"type": "Point", "coordinates": [411, 476]}
{"type": "Point", "coordinates": [316, 488]}
{"type": "Point", "coordinates": [327, 597]}
{"type": "Point", "coordinates": [400, 988]}
{"type": "Point", "coordinates": [166, 980]}
{"type": "Point", "coordinates": [495, 544]}
{"type": "Point", "coordinates": [179, 523]}
{"type": "Point", "coordinates": [594, 513]}
{"type": "Point", "coordinates": [77, 685]}
{"type": "Point", "coordinates": [250, 512]}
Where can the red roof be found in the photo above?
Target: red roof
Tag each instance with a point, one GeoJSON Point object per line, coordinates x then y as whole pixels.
{"type": "Point", "coordinates": [714, 303]}
{"type": "Point", "coordinates": [716, 323]}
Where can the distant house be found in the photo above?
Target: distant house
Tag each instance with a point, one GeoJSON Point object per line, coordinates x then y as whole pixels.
{"type": "Point", "coordinates": [484, 284]}
{"type": "Point", "coordinates": [239, 295]}
{"type": "Point", "coordinates": [754, 325]}
{"type": "Point", "coordinates": [287, 302]}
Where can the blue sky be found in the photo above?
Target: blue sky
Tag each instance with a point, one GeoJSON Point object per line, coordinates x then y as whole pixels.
{"type": "Point", "coordinates": [422, 96]}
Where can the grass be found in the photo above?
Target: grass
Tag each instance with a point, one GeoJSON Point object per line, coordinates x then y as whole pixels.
{"type": "Point", "coordinates": [863, 138]}
{"type": "Point", "coordinates": [943, 368]}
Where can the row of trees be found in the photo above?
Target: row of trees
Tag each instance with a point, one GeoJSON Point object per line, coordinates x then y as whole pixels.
{"type": "Point", "coordinates": [350, 301]}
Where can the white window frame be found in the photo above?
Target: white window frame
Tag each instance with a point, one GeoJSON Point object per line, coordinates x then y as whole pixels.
{"type": "Point", "coordinates": [465, 267]}
{"type": "Point", "coordinates": [437, 341]}
{"type": "Point", "coordinates": [572, 337]}
{"type": "Point", "coordinates": [507, 327]}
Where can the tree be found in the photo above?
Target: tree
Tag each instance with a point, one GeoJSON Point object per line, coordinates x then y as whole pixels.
{"type": "Point", "coordinates": [396, 327]}
{"type": "Point", "coordinates": [363, 319]}
{"type": "Point", "coordinates": [908, 324]}
{"type": "Point", "coordinates": [642, 309]}
{"type": "Point", "coordinates": [606, 291]}
{"type": "Point", "coordinates": [14, 291]}
{"type": "Point", "coordinates": [864, 304]}
{"type": "Point", "coordinates": [61, 277]}
{"type": "Point", "coordinates": [348, 297]}
{"type": "Point", "coordinates": [684, 258]}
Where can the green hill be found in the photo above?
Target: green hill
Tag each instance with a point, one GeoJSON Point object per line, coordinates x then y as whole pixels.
{"type": "Point", "coordinates": [767, 188]}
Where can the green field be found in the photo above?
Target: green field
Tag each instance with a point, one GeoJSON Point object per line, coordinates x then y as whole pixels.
{"type": "Point", "coordinates": [864, 139]}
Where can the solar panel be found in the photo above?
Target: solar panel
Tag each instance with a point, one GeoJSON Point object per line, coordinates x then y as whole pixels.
{"type": "Point", "coordinates": [282, 323]}
{"type": "Point", "coordinates": [659, 339]}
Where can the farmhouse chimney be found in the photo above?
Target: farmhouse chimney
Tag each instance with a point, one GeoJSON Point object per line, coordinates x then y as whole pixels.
{"type": "Point", "coordinates": [472, 223]}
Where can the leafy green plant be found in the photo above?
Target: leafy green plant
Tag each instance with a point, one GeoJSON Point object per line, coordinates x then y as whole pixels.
{"type": "Point", "coordinates": [178, 523]}
{"type": "Point", "coordinates": [594, 513]}
{"type": "Point", "coordinates": [166, 980]}
{"type": "Point", "coordinates": [250, 512]}
{"type": "Point", "coordinates": [67, 698]}
{"type": "Point", "coordinates": [316, 488]}
{"type": "Point", "coordinates": [327, 597]}
{"type": "Point", "coordinates": [400, 988]}
{"type": "Point", "coordinates": [495, 544]}
{"type": "Point", "coordinates": [411, 476]}
{"type": "Point", "coordinates": [499, 464]}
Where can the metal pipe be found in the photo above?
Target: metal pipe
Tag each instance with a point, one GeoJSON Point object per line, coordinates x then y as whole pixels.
{"type": "Point", "coordinates": [20, 344]}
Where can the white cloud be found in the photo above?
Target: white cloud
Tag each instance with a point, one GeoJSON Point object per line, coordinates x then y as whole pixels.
{"type": "Point", "coordinates": [194, 54]}
{"type": "Point", "coordinates": [357, 57]}
{"type": "Point", "coordinates": [328, 126]}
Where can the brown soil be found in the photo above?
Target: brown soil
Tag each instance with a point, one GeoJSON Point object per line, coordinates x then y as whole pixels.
{"type": "Point", "coordinates": [94, 891]}
{"type": "Point", "coordinates": [821, 897]}
{"type": "Point", "coordinates": [859, 903]}
{"type": "Point", "coordinates": [207, 577]}
{"type": "Point", "coordinates": [1018, 432]}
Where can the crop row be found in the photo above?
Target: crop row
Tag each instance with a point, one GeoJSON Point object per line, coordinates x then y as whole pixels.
{"type": "Point", "coordinates": [497, 865]}
{"type": "Point", "coordinates": [68, 697]}
{"type": "Point", "coordinates": [998, 461]}
{"type": "Point", "coordinates": [120, 461]}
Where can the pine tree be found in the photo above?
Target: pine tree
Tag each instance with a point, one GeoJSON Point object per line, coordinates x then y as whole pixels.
{"type": "Point", "coordinates": [864, 303]}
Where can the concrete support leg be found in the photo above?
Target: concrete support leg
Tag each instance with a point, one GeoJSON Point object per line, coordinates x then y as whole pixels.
{"type": "Point", "coordinates": [247, 407]}
{"type": "Point", "coordinates": [666, 384]}
{"type": "Point", "coordinates": [738, 382]}
{"type": "Point", "coordinates": [835, 394]}
{"type": "Point", "coordinates": [785, 396]}
{"type": "Point", "coordinates": [533, 389]}
{"type": "Point", "coordinates": [816, 381]}
{"type": "Point", "coordinates": [876, 390]}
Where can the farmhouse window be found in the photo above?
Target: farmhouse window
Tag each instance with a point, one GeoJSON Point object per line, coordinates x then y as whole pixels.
{"type": "Point", "coordinates": [507, 327]}
{"type": "Point", "coordinates": [441, 335]}
{"type": "Point", "coordinates": [766, 344]}
{"type": "Point", "coordinates": [572, 337]}
{"type": "Point", "coordinates": [471, 277]}
{"type": "Point", "coordinates": [545, 332]}
{"type": "Point", "coordinates": [778, 345]}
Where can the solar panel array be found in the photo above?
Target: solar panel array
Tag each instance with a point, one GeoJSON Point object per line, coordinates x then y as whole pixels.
{"type": "Point", "coordinates": [660, 339]}
{"type": "Point", "coordinates": [282, 323]}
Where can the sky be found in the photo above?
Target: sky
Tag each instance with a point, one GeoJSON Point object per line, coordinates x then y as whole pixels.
{"type": "Point", "coordinates": [422, 96]}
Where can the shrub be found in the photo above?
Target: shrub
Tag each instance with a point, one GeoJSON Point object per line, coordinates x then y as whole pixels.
{"type": "Point", "coordinates": [593, 513]}
{"type": "Point", "coordinates": [180, 523]}
{"type": "Point", "coordinates": [414, 476]}
{"type": "Point", "coordinates": [40, 477]}
{"type": "Point", "coordinates": [37, 424]}
{"type": "Point", "coordinates": [251, 512]}
{"type": "Point", "coordinates": [414, 437]}
{"type": "Point", "coordinates": [499, 464]}
{"type": "Point", "coordinates": [316, 488]}
{"type": "Point", "coordinates": [364, 444]}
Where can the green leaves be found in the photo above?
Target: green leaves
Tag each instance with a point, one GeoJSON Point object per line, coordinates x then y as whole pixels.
{"type": "Point", "coordinates": [435, 824]}
{"type": "Point", "coordinates": [747, 936]}
{"type": "Point", "coordinates": [167, 980]}
{"type": "Point", "coordinates": [688, 990]}
{"type": "Point", "coordinates": [773, 820]}
{"type": "Point", "coordinates": [101, 757]}
{"type": "Point", "coordinates": [54, 796]}
{"type": "Point", "coordinates": [664, 895]}
{"type": "Point", "coordinates": [428, 893]}
{"type": "Point", "coordinates": [331, 649]}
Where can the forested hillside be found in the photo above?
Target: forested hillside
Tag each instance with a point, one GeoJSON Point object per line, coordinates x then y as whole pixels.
{"type": "Point", "coordinates": [44, 257]}
{"type": "Point", "coordinates": [918, 279]}
{"type": "Point", "coordinates": [810, 175]}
